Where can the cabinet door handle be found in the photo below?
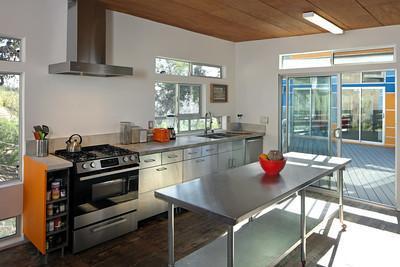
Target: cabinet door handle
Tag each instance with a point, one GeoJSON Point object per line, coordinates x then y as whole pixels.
{"type": "Point", "coordinates": [173, 156]}
{"type": "Point", "coordinates": [192, 153]}
{"type": "Point", "coordinates": [210, 149]}
{"type": "Point", "coordinates": [200, 160]}
{"type": "Point", "coordinates": [108, 225]}
{"type": "Point", "coordinates": [161, 169]}
{"type": "Point", "coordinates": [149, 160]}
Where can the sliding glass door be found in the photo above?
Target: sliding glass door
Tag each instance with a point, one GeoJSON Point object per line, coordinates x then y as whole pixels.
{"type": "Point", "coordinates": [309, 115]}
{"type": "Point", "coordinates": [363, 114]}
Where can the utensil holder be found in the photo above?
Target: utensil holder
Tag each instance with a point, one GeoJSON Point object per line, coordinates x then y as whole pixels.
{"type": "Point", "coordinates": [42, 148]}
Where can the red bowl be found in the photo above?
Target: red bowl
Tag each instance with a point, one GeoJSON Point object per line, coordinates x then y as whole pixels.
{"type": "Point", "coordinates": [272, 167]}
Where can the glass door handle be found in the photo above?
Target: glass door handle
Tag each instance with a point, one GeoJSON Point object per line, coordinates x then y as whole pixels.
{"type": "Point", "coordinates": [337, 132]}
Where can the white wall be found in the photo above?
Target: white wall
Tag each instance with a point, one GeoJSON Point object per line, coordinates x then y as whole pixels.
{"type": "Point", "coordinates": [257, 69]}
{"type": "Point", "coordinates": [93, 105]}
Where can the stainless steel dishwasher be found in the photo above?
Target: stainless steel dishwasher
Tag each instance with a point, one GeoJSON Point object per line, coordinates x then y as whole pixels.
{"type": "Point", "coordinates": [254, 147]}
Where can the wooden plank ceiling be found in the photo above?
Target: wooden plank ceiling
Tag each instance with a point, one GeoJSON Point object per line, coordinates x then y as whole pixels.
{"type": "Point", "coordinates": [245, 20]}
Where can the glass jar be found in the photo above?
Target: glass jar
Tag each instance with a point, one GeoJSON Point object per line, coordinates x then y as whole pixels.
{"type": "Point", "coordinates": [125, 132]}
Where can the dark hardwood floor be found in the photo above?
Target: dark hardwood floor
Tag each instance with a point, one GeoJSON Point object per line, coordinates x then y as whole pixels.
{"type": "Point", "coordinates": [147, 247]}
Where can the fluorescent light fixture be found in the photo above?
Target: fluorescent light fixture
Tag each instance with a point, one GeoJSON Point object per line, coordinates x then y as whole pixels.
{"type": "Point", "coordinates": [321, 22]}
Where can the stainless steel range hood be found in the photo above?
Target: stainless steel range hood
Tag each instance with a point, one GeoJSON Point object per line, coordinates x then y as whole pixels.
{"type": "Point", "coordinates": [86, 42]}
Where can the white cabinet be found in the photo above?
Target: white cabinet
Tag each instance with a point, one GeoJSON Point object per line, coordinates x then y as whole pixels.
{"type": "Point", "coordinates": [171, 156]}
{"type": "Point", "coordinates": [149, 205]}
{"type": "Point", "coordinates": [199, 167]}
{"type": "Point", "coordinates": [191, 153]}
{"type": "Point", "coordinates": [158, 177]}
{"type": "Point", "coordinates": [231, 155]}
{"type": "Point", "coordinates": [154, 178]}
{"type": "Point", "coordinates": [151, 160]}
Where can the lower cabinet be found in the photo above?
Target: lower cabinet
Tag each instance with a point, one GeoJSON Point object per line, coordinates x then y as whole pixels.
{"type": "Point", "coordinates": [151, 179]}
{"type": "Point", "coordinates": [149, 205]}
{"type": "Point", "coordinates": [199, 167]}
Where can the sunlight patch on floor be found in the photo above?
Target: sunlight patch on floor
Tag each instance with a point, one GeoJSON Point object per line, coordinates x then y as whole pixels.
{"type": "Point", "coordinates": [361, 246]}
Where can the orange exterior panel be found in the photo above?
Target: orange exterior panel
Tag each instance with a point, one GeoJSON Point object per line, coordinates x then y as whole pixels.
{"type": "Point", "coordinates": [390, 118]}
{"type": "Point", "coordinates": [34, 219]}
{"type": "Point", "coordinates": [390, 132]}
{"type": "Point", "coordinates": [390, 101]}
{"type": "Point", "coordinates": [390, 141]}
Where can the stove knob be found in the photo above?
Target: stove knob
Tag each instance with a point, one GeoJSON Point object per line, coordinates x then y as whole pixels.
{"type": "Point", "coordinates": [85, 166]}
{"type": "Point", "coordinates": [93, 164]}
{"type": "Point", "coordinates": [133, 158]}
{"type": "Point", "coordinates": [125, 159]}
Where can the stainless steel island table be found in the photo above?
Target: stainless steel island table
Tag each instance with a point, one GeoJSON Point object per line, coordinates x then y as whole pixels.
{"type": "Point", "coordinates": [238, 194]}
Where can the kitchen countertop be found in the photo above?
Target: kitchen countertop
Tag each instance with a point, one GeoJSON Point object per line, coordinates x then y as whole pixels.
{"type": "Point", "coordinates": [183, 142]}
{"type": "Point", "coordinates": [53, 163]}
{"type": "Point", "coordinates": [237, 194]}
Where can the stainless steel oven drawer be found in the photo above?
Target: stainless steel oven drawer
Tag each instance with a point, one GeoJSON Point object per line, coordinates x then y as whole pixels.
{"type": "Point", "coordinates": [103, 214]}
{"type": "Point", "coordinates": [95, 234]}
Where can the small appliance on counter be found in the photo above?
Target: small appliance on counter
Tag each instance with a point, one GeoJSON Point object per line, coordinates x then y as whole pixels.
{"type": "Point", "coordinates": [161, 135]}
{"type": "Point", "coordinates": [171, 122]}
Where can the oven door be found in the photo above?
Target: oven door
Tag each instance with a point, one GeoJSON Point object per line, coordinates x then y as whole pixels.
{"type": "Point", "coordinates": [100, 191]}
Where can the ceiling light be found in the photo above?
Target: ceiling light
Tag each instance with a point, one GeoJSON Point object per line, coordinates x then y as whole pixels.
{"type": "Point", "coordinates": [321, 22]}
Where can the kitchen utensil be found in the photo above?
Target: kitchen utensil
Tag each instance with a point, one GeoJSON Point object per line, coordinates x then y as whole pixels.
{"type": "Point", "coordinates": [171, 122]}
{"type": "Point", "coordinates": [74, 144]}
{"type": "Point", "coordinates": [36, 135]}
{"type": "Point", "coordinates": [46, 130]}
{"type": "Point", "coordinates": [38, 128]}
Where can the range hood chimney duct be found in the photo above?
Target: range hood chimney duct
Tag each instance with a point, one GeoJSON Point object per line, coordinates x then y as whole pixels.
{"type": "Point", "coordinates": [86, 42]}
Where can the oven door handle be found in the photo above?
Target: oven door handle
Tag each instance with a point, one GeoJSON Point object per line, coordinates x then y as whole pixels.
{"type": "Point", "coordinates": [85, 178]}
{"type": "Point", "coordinates": [108, 225]}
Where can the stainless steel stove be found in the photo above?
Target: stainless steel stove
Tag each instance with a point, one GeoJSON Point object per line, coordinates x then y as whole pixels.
{"type": "Point", "coordinates": [104, 194]}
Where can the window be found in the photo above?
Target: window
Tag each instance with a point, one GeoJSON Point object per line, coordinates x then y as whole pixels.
{"type": "Point", "coordinates": [184, 102]}
{"type": "Point", "coordinates": [373, 77]}
{"type": "Point", "coordinates": [8, 227]}
{"type": "Point", "coordinates": [10, 49]}
{"type": "Point", "coordinates": [185, 68]}
{"type": "Point", "coordinates": [331, 58]}
{"type": "Point", "coordinates": [9, 126]}
{"type": "Point", "coordinates": [378, 55]}
{"type": "Point", "coordinates": [351, 77]}
{"type": "Point", "coordinates": [172, 67]}
{"type": "Point", "coordinates": [306, 60]}
{"type": "Point", "coordinates": [202, 70]}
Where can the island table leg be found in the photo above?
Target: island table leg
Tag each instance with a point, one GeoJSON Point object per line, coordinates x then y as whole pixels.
{"type": "Point", "coordinates": [171, 245]}
{"type": "Point", "coordinates": [230, 246]}
{"type": "Point", "coordinates": [303, 226]}
{"type": "Point", "coordinates": [340, 189]}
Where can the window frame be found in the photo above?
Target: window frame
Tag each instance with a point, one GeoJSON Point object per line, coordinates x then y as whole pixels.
{"type": "Point", "coordinates": [206, 65]}
{"type": "Point", "coordinates": [20, 127]}
{"type": "Point", "coordinates": [173, 59]}
{"type": "Point", "coordinates": [191, 63]}
{"type": "Point", "coordinates": [21, 52]}
{"type": "Point", "coordinates": [17, 228]}
{"type": "Point", "coordinates": [334, 55]}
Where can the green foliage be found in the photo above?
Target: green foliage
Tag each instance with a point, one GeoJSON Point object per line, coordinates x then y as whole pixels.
{"type": "Point", "coordinates": [10, 100]}
{"type": "Point", "coordinates": [9, 140]}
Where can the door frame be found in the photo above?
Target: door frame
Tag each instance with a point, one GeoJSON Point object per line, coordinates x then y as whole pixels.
{"type": "Point", "coordinates": [331, 133]}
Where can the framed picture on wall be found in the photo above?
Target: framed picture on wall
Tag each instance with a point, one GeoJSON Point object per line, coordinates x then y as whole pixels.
{"type": "Point", "coordinates": [218, 93]}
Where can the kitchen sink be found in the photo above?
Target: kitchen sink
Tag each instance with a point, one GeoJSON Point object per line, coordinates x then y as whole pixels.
{"type": "Point", "coordinates": [217, 135]}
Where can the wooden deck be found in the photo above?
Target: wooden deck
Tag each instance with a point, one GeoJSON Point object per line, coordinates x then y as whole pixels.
{"type": "Point", "coordinates": [371, 174]}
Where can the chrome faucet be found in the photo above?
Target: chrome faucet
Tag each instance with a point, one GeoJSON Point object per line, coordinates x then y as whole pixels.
{"type": "Point", "coordinates": [208, 114]}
